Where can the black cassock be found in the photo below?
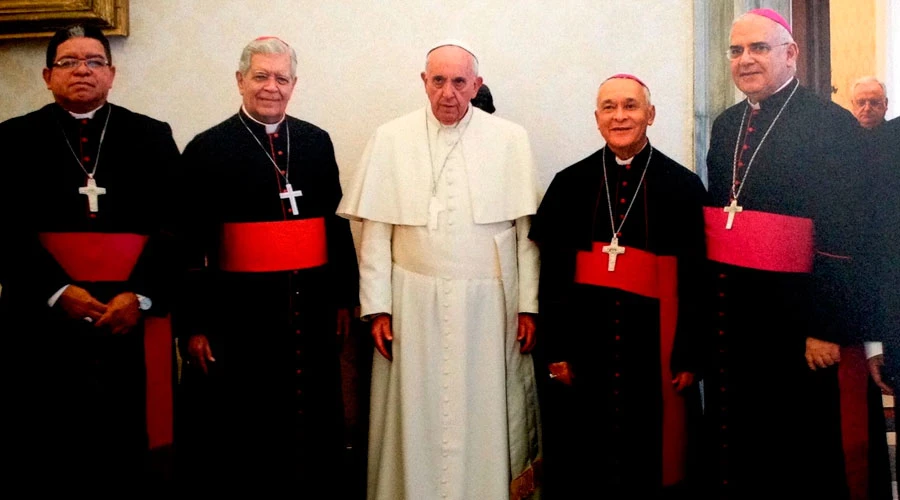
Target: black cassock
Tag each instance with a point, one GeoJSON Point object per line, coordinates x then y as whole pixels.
{"type": "Point", "coordinates": [604, 435]}
{"type": "Point", "coordinates": [77, 393]}
{"type": "Point", "coordinates": [774, 425]}
{"type": "Point", "coordinates": [270, 411]}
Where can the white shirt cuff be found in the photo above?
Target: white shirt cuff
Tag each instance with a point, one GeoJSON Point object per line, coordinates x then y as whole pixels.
{"type": "Point", "coordinates": [873, 349]}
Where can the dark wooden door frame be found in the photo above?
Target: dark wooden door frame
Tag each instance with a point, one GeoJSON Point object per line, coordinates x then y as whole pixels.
{"type": "Point", "coordinates": [811, 25]}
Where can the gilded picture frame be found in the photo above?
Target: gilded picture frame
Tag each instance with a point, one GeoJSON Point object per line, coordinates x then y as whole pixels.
{"type": "Point", "coordinates": [20, 19]}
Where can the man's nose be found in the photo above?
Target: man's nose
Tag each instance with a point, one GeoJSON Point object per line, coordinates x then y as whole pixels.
{"type": "Point", "coordinates": [447, 92]}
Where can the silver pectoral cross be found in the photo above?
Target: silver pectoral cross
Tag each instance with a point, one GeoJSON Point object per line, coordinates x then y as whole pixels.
{"type": "Point", "coordinates": [92, 192]}
{"type": "Point", "coordinates": [434, 209]}
{"type": "Point", "coordinates": [290, 194]}
{"type": "Point", "coordinates": [732, 209]}
{"type": "Point", "coordinates": [614, 250]}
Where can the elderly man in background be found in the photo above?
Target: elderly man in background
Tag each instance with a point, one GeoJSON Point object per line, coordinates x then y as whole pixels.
{"type": "Point", "coordinates": [273, 278]}
{"type": "Point", "coordinates": [448, 281]}
{"type": "Point", "coordinates": [869, 101]}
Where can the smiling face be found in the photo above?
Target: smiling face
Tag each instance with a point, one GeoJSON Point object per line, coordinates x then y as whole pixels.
{"type": "Point", "coordinates": [80, 89]}
{"type": "Point", "coordinates": [759, 75]}
{"type": "Point", "coordinates": [267, 86]}
{"type": "Point", "coordinates": [450, 82]}
{"type": "Point", "coordinates": [623, 114]}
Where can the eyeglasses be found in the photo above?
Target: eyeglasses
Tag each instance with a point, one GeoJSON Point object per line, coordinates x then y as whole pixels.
{"type": "Point", "coordinates": [73, 62]}
{"type": "Point", "coordinates": [756, 49]}
{"type": "Point", "coordinates": [873, 103]}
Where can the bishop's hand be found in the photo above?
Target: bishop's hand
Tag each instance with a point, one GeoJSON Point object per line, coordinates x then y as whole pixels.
{"type": "Point", "coordinates": [79, 304]}
{"type": "Point", "coordinates": [199, 352]}
{"type": "Point", "coordinates": [122, 314]}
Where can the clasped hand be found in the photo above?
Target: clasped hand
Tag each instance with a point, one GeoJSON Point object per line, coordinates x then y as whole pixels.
{"type": "Point", "coordinates": [120, 315]}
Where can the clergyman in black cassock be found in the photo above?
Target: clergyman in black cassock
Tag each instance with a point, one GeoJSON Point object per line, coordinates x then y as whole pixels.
{"type": "Point", "coordinates": [85, 275]}
{"type": "Point", "coordinates": [783, 228]}
{"type": "Point", "coordinates": [273, 267]}
{"type": "Point", "coordinates": [623, 326]}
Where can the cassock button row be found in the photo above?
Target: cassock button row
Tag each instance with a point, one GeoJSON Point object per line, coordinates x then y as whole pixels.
{"type": "Point", "coordinates": [721, 314]}
{"type": "Point", "coordinates": [619, 234]}
{"type": "Point", "coordinates": [618, 303]}
{"type": "Point", "coordinates": [617, 322]}
{"type": "Point", "coordinates": [618, 337]}
{"type": "Point", "coordinates": [275, 135]}
{"type": "Point", "coordinates": [740, 164]}
{"type": "Point", "coordinates": [750, 129]}
{"type": "Point", "coordinates": [721, 333]}
{"type": "Point", "coordinates": [93, 216]}
{"type": "Point", "coordinates": [290, 210]}
{"type": "Point", "coordinates": [746, 147]}
{"type": "Point", "coordinates": [281, 153]}
{"type": "Point", "coordinates": [621, 216]}
{"type": "Point", "coordinates": [299, 372]}
{"type": "Point", "coordinates": [722, 275]}
{"type": "Point", "coordinates": [624, 183]}
{"type": "Point", "coordinates": [628, 167]}
{"type": "Point", "coordinates": [86, 159]}
{"type": "Point", "coordinates": [84, 121]}
{"type": "Point", "coordinates": [84, 139]}
{"type": "Point", "coordinates": [623, 201]}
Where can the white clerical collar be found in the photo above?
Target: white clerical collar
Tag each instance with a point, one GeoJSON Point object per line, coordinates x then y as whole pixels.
{"type": "Point", "coordinates": [271, 128]}
{"type": "Point", "coordinates": [86, 116]}
{"type": "Point", "coordinates": [628, 161]}
{"type": "Point", "coordinates": [755, 105]}
{"type": "Point", "coordinates": [435, 124]}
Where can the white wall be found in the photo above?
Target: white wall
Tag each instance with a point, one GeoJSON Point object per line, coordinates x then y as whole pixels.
{"type": "Point", "coordinates": [360, 63]}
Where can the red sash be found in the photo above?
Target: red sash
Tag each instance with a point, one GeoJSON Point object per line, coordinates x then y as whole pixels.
{"type": "Point", "coordinates": [760, 240]}
{"type": "Point", "coordinates": [649, 275]}
{"type": "Point", "coordinates": [94, 257]}
{"type": "Point", "coordinates": [273, 246]}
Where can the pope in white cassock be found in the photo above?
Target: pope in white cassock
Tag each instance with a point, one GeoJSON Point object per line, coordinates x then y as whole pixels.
{"type": "Point", "coordinates": [449, 281]}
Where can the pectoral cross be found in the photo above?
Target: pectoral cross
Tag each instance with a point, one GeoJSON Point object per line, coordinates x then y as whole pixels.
{"type": "Point", "coordinates": [290, 194]}
{"type": "Point", "coordinates": [434, 209]}
{"type": "Point", "coordinates": [732, 209]}
{"type": "Point", "coordinates": [614, 250]}
{"type": "Point", "coordinates": [92, 192]}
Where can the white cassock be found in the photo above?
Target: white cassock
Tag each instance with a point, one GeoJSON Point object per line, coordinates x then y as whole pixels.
{"type": "Point", "coordinates": [455, 415]}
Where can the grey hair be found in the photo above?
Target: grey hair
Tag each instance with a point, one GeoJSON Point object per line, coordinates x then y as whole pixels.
{"type": "Point", "coordinates": [267, 45]}
{"type": "Point", "coordinates": [868, 79]}
{"type": "Point", "coordinates": [471, 56]}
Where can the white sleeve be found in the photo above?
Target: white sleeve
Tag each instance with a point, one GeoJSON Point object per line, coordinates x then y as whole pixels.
{"type": "Point", "coordinates": [529, 266]}
{"type": "Point", "coordinates": [375, 264]}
